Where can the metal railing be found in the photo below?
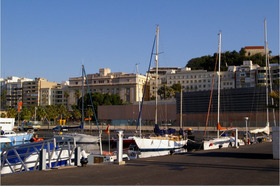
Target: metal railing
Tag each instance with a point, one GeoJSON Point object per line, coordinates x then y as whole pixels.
{"type": "Point", "coordinates": [33, 156]}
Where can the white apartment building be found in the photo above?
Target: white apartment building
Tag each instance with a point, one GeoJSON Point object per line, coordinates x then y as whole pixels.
{"type": "Point", "coordinates": [245, 75]}
{"type": "Point", "coordinates": [192, 80]}
{"type": "Point", "coordinates": [273, 70]}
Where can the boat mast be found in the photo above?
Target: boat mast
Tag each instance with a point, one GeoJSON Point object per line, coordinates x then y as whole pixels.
{"type": "Point", "coordinates": [181, 109]}
{"type": "Point", "coordinates": [219, 81]}
{"type": "Point", "coordinates": [156, 88]}
{"type": "Point", "coordinates": [266, 72]}
{"type": "Point", "coordinates": [138, 90]}
{"type": "Point", "coordinates": [83, 112]}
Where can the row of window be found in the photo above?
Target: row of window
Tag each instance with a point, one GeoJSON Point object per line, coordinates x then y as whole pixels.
{"type": "Point", "coordinates": [199, 76]}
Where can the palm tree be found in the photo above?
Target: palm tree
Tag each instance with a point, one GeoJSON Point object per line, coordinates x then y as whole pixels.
{"type": "Point", "coordinates": [77, 114]}
{"type": "Point", "coordinates": [89, 113]}
{"type": "Point", "coordinates": [25, 114]}
{"type": "Point", "coordinates": [61, 109]}
{"type": "Point", "coordinates": [41, 113]}
{"type": "Point", "coordinates": [11, 113]}
{"type": "Point", "coordinates": [52, 113]}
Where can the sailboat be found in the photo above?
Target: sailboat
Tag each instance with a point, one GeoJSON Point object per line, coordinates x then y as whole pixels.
{"type": "Point", "coordinates": [88, 143]}
{"type": "Point", "coordinates": [158, 143]}
{"type": "Point", "coordinates": [266, 129]}
{"type": "Point", "coordinates": [222, 141]}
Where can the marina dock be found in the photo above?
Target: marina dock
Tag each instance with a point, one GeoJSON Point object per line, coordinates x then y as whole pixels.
{"type": "Point", "coordinates": [247, 165]}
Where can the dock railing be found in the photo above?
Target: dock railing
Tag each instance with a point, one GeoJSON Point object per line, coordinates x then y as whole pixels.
{"type": "Point", "coordinates": [33, 156]}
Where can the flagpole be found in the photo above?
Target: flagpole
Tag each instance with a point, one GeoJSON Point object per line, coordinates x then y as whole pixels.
{"type": "Point", "coordinates": [109, 140]}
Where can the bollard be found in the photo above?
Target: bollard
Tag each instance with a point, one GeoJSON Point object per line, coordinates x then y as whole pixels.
{"type": "Point", "coordinates": [42, 161]}
{"type": "Point", "coordinates": [120, 148]}
{"type": "Point", "coordinates": [236, 139]}
{"type": "Point", "coordinates": [77, 156]}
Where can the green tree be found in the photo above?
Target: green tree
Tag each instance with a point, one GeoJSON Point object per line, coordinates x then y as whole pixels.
{"type": "Point", "coordinates": [3, 115]}
{"type": "Point", "coordinates": [165, 92]}
{"type": "Point", "coordinates": [89, 113]}
{"type": "Point", "coordinates": [61, 109]}
{"type": "Point", "coordinates": [67, 115]}
{"type": "Point", "coordinates": [176, 87]}
{"type": "Point", "coordinates": [41, 113]}
{"type": "Point", "coordinates": [3, 97]}
{"type": "Point", "coordinates": [52, 113]}
{"type": "Point", "coordinates": [11, 113]}
{"type": "Point", "coordinates": [25, 114]}
{"type": "Point", "coordinates": [76, 114]}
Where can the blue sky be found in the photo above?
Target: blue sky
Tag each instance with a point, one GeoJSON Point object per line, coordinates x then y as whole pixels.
{"type": "Point", "coordinates": [53, 38]}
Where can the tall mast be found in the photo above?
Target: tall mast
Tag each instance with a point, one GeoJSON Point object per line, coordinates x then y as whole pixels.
{"type": "Point", "coordinates": [181, 109]}
{"type": "Point", "coordinates": [266, 72]}
{"type": "Point", "coordinates": [156, 58]}
{"type": "Point", "coordinates": [83, 78]}
{"type": "Point", "coordinates": [219, 81]}
{"type": "Point", "coordinates": [138, 90]}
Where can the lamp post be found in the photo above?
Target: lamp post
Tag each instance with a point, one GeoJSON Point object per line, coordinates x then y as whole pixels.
{"type": "Point", "coordinates": [246, 120]}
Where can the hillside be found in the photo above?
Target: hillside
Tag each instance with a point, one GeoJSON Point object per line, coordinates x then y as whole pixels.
{"type": "Point", "coordinates": [227, 59]}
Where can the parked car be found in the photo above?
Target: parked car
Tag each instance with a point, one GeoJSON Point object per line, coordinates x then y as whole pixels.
{"type": "Point", "coordinates": [29, 125]}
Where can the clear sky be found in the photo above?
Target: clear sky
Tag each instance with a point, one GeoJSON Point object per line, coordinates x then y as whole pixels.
{"type": "Point", "coordinates": [53, 38]}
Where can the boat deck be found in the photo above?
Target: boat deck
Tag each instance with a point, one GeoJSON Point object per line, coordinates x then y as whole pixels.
{"type": "Point", "coordinates": [247, 165]}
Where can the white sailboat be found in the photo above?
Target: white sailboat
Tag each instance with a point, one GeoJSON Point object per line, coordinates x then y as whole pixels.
{"type": "Point", "coordinates": [266, 129]}
{"type": "Point", "coordinates": [221, 141]}
{"type": "Point", "coordinates": [87, 142]}
{"type": "Point", "coordinates": [158, 143]}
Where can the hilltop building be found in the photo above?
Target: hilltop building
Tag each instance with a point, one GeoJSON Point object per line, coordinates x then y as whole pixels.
{"type": "Point", "coordinates": [252, 50]}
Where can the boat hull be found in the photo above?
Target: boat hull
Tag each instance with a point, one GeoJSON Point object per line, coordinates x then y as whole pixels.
{"type": "Point", "coordinates": [158, 144]}
{"type": "Point", "coordinates": [222, 142]}
{"type": "Point", "coordinates": [19, 137]}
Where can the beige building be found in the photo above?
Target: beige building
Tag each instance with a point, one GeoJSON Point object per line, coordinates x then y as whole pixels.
{"type": "Point", "coordinates": [33, 90]}
{"type": "Point", "coordinates": [129, 87]}
{"type": "Point", "coordinates": [54, 95]}
{"type": "Point", "coordinates": [252, 50]}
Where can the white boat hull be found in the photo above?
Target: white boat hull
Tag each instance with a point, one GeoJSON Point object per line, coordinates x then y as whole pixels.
{"type": "Point", "coordinates": [158, 143]}
{"type": "Point", "coordinates": [221, 142]}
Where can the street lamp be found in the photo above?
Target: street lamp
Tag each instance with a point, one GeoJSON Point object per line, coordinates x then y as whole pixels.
{"type": "Point", "coordinates": [246, 120]}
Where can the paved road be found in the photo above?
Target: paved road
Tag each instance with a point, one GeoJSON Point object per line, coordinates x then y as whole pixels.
{"type": "Point", "coordinates": [248, 165]}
